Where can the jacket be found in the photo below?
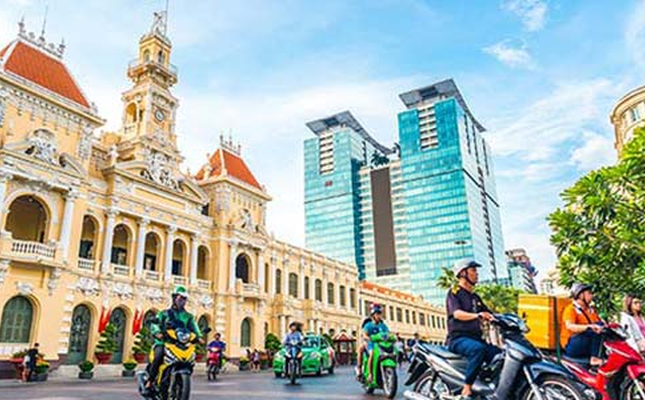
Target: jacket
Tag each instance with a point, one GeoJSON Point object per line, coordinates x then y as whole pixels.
{"type": "Point", "coordinates": [633, 330]}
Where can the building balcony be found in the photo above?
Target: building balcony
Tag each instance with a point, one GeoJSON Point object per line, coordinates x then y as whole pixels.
{"type": "Point", "coordinates": [251, 290]}
{"type": "Point", "coordinates": [137, 66]}
{"type": "Point", "coordinates": [204, 284]}
{"type": "Point", "coordinates": [151, 275]}
{"type": "Point", "coordinates": [86, 264]}
{"type": "Point", "coordinates": [33, 248]}
{"type": "Point", "coordinates": [120, 270]}
{"type": "Point", "coordinates": [179, 280]}
{"type": "Point", "coordinates": [29, 251]}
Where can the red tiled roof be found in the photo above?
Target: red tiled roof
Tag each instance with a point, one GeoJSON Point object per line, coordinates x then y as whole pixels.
{"type": "Point", "coordinates": [224, 160]}
{"type": "Point", "coordinates": [43, 70]}
{"type": "Point", "coordinates": [382, 289]}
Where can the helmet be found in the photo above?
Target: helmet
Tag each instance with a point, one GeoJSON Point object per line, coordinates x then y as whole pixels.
{"type": "Point", "coordinates": [295, 323]}
{"type": "Point", "coordinates": [578, 288]}
{"type": "Point", "coordinates": [375, 309]}
{"type": "Point", "coordinates": [466, 263]}
{"type": "Point", "coordinates": [180, 291]}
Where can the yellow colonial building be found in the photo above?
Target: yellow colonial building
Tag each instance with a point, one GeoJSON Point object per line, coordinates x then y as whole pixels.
{"type": "Point", "coordinates": [108, 225]}
{"type": "Point", "coordinates": [627, 115]}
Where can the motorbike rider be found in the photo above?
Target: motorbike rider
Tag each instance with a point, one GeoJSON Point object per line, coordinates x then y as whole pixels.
{"type": "Point", "coordinates": [175, 316]}
{"type": "Point", "coordinates": [219, 346]}
{"type": "Point", "coordinates": [295, 333]}
{"type": "Point", "coordinates": [362, 349]}
{"type": "Point", "coordinates": [375, 326]}
{"type": "Point", "coordinates": [581, 337]}
{"type": "Point", "coordinates": [466, 310]}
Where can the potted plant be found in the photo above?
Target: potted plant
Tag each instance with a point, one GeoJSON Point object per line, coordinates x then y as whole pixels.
{"type": "Point", "coordinates": [86, 368]}
{"type": "Point", "coordinates": [107, 344]}
{"type": "Point", "coordinates": [40, 372]}
{"type": "Point", "coordinates": [244, 363]}
{"type": "Point", "coordinates": [128, 368]}
{"type": "Point", "coordinates": [17, 359]}
{"type": "Point", "coordinates": [200, 351]}
{"type": "Point", "coordinates": [272, 345]}
{"type": "Point", "coordinates": [142, 345]}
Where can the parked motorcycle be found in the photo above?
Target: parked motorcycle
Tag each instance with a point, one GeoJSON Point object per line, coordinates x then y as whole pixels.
{"type": "Point", "coordinates": [293, 359]}
{"type": "Point", "coordinates": [213, 364]}
{"type": "Point", "coordinates": [383, 366]}
{"type": "Point", "coordinates": [622, 376]}
{"type": "Point", "coordinates": [174, 378]}
{"type": "Point", "coordinates": [519, 372]}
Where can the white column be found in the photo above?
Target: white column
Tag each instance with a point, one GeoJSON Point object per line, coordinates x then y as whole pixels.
{"type": "Point", "coordinates": [261, 277]}
{"type": "Point", "coordinates": [283, 326]}
{"type": "Point", "coordinates": [325, 292]}
{"type": "Point", "coordinates": [68, 216]}
{"type": "Point", "coordinates": [348, 303]}
{"type": "Point", "coordinates": [271, 278]}
{"type": "Point", "coordinates": [311, 325]}
{"type": "Point", "coordinates": [231, 270]}
{"type": "Point", "coordinates": [107, 242]}
{"type": "Point", "coordinates": [194, 250]}
{"type": "Point", "coordinates": [4, 178]}
{"type": "Point", "coordinates": [301, 289]}
{"type": "Point", "coordinates": [285, 281]}
{"type": "Point", "coordinates": [170, 238]}
{"type": "Point", "coordinates": [141, 247]}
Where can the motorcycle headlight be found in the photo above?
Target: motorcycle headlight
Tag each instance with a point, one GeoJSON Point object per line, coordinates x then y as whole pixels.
{"type": "Point", "coordinates": [183, 337]}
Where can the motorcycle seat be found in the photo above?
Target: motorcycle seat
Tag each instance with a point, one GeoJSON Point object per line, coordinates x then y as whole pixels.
{"type": "Point", "coordinates": [576, 360]}
{"type": "Point", "coordinates": [444, 353]}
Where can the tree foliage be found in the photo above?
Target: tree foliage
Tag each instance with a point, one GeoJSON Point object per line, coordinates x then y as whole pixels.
{"type": "Point", "coordinates": [271, 343]}
{"type": "Point", "coordinates": [599, 232]}
{"type": "Point", "coordinates": [107, 341]}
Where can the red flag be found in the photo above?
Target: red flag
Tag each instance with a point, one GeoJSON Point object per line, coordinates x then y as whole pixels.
{"type": "Point", "coordinates": [136, 323]}
{"type": "Point", "coordinates": [105, 318]}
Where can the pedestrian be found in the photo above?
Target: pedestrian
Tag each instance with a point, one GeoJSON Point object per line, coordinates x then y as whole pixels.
{"type": "Point", "coordinates": [29, 362]}
{"type": "Point", "coordinates": [400, 346]}
{"type": "Point", "coordinates": [256, 360]}
{"type": "Point", "coordinates": [632, 319]}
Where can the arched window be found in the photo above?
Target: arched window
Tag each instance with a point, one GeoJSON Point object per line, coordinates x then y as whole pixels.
{"type": "Point", "coordinates": [27, 219]}
{"type": "Point", "coordinates": [307, 294]}
{"type": "Point", "coordinates": [79, 334]}
{"type": "Point", "coordinates": [202, 323]}
{"type": "Point", "coordinates": [266, 280]}
{"type": "Point", "coordinates": [242, 268]}
{"type": "Point", "coordinates": [17, 318]}
{"type": "Point", "coordinates": [151, 254]}
{"type": "Point", "coordinates": [341, 294]}
{"type": "Point", "coordinates": [119, 320]}
{"type": "Point", "coordinates": [120, 242]}
{"type": "Point", "coordinates": [178, 256]}
{"type": "Point", "coordinates": [293, 285]}
{"type": "Point", "coordinates": [148, 317]}
{"type": "Point", "coordinates": [202, 263]}
{"type": "Point", "coordinates": [245, 336]}
{"type": "Point", "coordinates": [318, 290]}
{"type": "Point", "coordinates": [161, 57]}
{"type": "Point", "coordinates": [146, 56]}
{"type": "Point", "coordinates": [330, 293]}
{"type": "Point", "coordinates": [278, 281]}
{"type": "Point", "coordinates": [87, 249]}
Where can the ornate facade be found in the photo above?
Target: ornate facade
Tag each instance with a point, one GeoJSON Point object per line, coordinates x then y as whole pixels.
{"type": "Point", "coordinates": [107, 225]}
{"type": "Point", "coordinates": [627, 115]}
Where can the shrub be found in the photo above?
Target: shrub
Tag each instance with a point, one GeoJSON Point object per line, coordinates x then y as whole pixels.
{"type": "Point", "coordinates": [86, 366]}
{"type": "Point", "coordinates": [41, 367]}
{"type": "Point", "coordinates": [143, 341]}
{"type": "Point", "coordinates": [107, 342]}
{"type": "Point", "coordinates": [129, 365]}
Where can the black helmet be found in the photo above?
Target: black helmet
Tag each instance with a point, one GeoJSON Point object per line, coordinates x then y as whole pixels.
{"type": "Point", "coordinates": [375, 309]}
{"type": "Point", "coordinates": [296, 324]}
{"type": "Point", "coordinates": [578, 288]}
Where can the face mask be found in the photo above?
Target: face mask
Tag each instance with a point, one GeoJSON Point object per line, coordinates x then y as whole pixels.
{"type": "Point", "coordinates": [180, 302]}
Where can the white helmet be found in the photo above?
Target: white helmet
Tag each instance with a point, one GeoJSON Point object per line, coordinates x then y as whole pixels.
{"type": "Point", "coordinates": [466, 263]}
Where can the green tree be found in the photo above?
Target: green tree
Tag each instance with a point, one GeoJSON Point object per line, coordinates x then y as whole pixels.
{"type": "Point", "coordinates": [599, 232]}
{"type": "Point", "coordinates": [107, 340]}
{"type": "Point", "coordinates": [272, 343]}
{"type": "Point", "coordinates": [500, 299]}
{"type": "Point", "coordinates": [143, 341]}
{"type": "Point", "coordinates": [378, 159]}
{"type": "Point", "coordinates": [448, 279]}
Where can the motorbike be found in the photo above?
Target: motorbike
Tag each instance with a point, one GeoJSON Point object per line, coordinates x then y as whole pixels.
{"type": "Point", "coordinates": [622, 376]}
{"type": "Point", "coordinates": [293, 358]}
{"type": "Point", "coordinates": [214, 363]}
{"type": "Point", "coordinates": [383, 366]}
{"type": "Point", "coordinates": [174, 377]}
{"type": "Point", "coordinates": [520, 372]}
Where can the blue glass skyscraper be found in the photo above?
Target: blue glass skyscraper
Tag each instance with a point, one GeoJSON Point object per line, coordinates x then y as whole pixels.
{"type": "Point", "coordinates": [402, 217]}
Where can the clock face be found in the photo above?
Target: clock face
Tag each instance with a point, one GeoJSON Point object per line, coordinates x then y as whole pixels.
{"type": "Point", "coordinates": [159, 115]}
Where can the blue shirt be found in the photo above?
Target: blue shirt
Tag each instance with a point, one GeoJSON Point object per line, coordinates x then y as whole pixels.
{"type": "Point", "coordinates": [372, 328]}
{"type": "Point", "coordinates": [218, 344]}
{"type": "Point", "coordinates": [295, 335]}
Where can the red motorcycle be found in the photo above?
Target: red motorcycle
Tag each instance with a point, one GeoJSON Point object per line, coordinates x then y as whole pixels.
{"type": "Point", "coordinates": [214, 363]}
{"type": "Point", "coordinates": [622, 376]}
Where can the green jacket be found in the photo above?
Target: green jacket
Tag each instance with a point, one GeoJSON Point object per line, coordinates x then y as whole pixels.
{"type": "Point", "coordinates": [182, 319]}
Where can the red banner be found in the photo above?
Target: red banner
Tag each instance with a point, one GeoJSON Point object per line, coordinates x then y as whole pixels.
{"type": "Point", "coordinates": [105, 318]}
{"type": "Point", "coordinates": [136, 323]}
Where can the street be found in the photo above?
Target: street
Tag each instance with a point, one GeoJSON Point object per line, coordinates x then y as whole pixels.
{"type": "Point", "coordinates": [247, 386]}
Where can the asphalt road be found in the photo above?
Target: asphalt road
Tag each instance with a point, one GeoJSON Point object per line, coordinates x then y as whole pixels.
{"type": "Point", "coordinates": [247, 386]}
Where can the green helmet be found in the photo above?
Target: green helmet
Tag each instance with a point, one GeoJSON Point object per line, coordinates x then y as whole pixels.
{"type": "Point", "coordinates": [180, 291]}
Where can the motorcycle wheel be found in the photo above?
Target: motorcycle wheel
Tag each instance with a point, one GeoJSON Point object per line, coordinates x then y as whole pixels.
{"type": "Point", "coordinates": [181, 387]}
{"type": "Point", "coordinates": [278, 375]}
{"type": "Point", "coordinates": [432, 387]}
{"type": "Point", "coordinates": [555, 387]}
{"type": "Point", "coordinates": [629, 389]}
{"type": "Point", "coordinates": [390, 382]}
{"type": "Point", "coordinates": [293, 374]}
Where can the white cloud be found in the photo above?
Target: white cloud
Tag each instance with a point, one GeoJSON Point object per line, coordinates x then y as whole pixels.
{"type": "Point", "coordinates": [596, 151]}
{"type": "Point", "coordinates": [533, 13]}
{"type": "Point", "coordinates": [635, 33]}
{"type": "Point", "coordinates": [513, 56]}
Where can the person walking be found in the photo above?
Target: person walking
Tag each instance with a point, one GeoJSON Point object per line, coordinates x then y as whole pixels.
{"type": "Point", "coordinates": [30, 361]}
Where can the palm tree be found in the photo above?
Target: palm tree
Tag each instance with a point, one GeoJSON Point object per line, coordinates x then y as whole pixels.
{"type": "Point", "coordinates": [447, 280]}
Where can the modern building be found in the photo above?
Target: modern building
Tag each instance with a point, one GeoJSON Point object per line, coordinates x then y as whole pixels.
{"type": "Point", "coordinates": [627, 115]}
{"type": "Point", "coordinates": [105, 226]}
{"type": "Point", "coordinates": [414, 211]}
{"type": "Point", "coordinates": [521, 271]}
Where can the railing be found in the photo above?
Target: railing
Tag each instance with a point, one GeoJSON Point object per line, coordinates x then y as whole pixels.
{"type": "Point", "coordinates": [86, 264]}
{"type": "Point", "coordinates": [136, 63]}
{"type": "Point", "coordinates": [33, 248]}
{"type": "Point", "coordinates": [120, 270]}
{"type": "Point", "coordinates": [151, 275]}
{"type": "Point", "coordinates": [178, 280]}
{"type": "Point", "coordinates": [203, 284]}
{"type": "Point", "coordinates": [252, 289]}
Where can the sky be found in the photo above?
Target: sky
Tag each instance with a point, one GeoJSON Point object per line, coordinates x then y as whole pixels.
{"type": "Point", "coordinates": [541, 75]}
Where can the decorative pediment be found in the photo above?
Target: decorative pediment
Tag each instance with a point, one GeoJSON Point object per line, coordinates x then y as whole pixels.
{"type": "Point", "coordinates": [42, 145]}
{"type": "Point", "coordinates": [160, 169]}
{"type": "Point", "coordinates": [68, 162]}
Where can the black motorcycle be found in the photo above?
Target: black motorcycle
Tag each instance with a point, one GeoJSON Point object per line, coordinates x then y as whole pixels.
{"type": "Point", "coordinates": [518, 373]}
{"type": "Point", "coordinates": [293, 359]}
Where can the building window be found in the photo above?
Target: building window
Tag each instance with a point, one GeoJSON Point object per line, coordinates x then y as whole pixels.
{"type": "Point", "coordinates": [407, 316]}
{"type": "Point", "coordinates": [266, 281]}
{"type": "Point", "coordinates": [399, 315]}
{"type": "Point", "coordinates": [242, 268]}
{"type": "Point", "coordinates": [341, 293]}
{"type": "Point", "coordinates": [17, 318]}
{"type": "Point", "coordinates": [352, 298]}
{"type": "Point", "coordinates": [245, 337]}
{"type": "Point", "coordinates": [278, 281]}
{"type": "Point", "coordinates": [318, 290]}
{"type": "Point", "coordinates": [422, 319]}
{"type": "Point", "coordinates": [330, 293]}
{"type": "Point", "coordinates": [306, 288]}
{"type": "Point", "coordinates": [392, 313]}
{"type": "Point", "coordinates": [635, 114]}
{"type": "Point", "coordinates": [293, 285]}
{"type": "Point", "coordinates": [434, 322]}
{"type": "Point", "coordinates": [367, 308]}
{"type": "Point", "coordinates": [414, 317]}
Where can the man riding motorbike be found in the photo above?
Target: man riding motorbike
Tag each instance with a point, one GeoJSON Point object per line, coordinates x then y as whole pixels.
{"type": "Point", "coordinates": [375, 326]}
{"type": "Point", "coordinates": [217, 345]}
{"type": "Point", "coordinates": [175, 316]}
{"type": "Point", "coordinates": [466, 310]}
{"type": "Point", "coordinates": [581, 337]}
{"type": "Point", "coordinates": [295, 333]}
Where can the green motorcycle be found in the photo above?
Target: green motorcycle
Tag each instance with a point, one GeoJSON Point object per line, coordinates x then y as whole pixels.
{"type": "Point", "coordinates": [383, 366]}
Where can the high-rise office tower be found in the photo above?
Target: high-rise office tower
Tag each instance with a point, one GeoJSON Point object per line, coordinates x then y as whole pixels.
{"type": "Point", "coordinates": [401, 216]}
